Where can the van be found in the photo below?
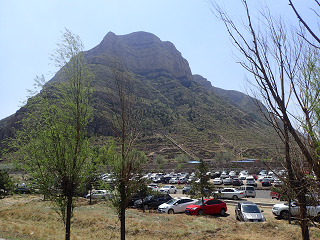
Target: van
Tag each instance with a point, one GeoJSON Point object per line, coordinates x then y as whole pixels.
{"type": "Point", "coordinates": [249, 191]}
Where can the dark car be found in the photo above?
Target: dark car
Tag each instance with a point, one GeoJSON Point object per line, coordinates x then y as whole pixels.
{"type": "Point", "coordinates": [23, 190]}
{"type": "Point", "coordinates": [266, 182]}
{"type": "Point", "coordinates": [211, 206]}
{"type": "Point", "coordinates": [152, 201]}
{"type": "Point", "coordinates": [236, 182]}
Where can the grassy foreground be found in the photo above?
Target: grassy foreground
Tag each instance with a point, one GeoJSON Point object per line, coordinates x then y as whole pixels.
{"type": "Point", "coordinates": [28, 217]}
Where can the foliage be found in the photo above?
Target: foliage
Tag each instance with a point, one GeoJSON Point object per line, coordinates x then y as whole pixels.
{"type": "Point", "coordinates": [159, 159]}
{"type": "Point", "coordinates": [182, 158]}
{"type": "Point", "coordinates": [52, 144]}
{"type": "Point", "coordinates": [6, 183]}
{"type": "Point", "coordinates": [203, 187]}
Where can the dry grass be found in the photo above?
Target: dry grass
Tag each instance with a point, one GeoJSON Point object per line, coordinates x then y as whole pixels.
{"type": "Point", "coordinates": [28, 217]}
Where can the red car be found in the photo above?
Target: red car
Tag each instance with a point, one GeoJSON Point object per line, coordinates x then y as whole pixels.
{"type": "Point", "coordinates": [211, 206]}
{"type": "Point", "coordinates": [254, 176]}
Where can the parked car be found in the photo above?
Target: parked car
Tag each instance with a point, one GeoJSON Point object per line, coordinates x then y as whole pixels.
{"type": "Point", "coordinates": [250, 181]}
{"type": "Point", "coordinates": [275, 195]}
{"type": "Point", "coordinates": [174, 180]}
{"type": "Point", "coordinates": [186, 188]}
{"type": "Point", "coordinates": [99, 194]}
{"type": "Point", "coordinates": [249, 191]}
{"type": "Point", "coordinates": [263, 172]}
{"type": "Point", "coordinates": [232, 174]}
{"type": "Point", "coordinates": [154, 187]}
{"type": "Point", "coordinates": [282, 210]}
{"type": "Point", "coordinates": [211, 206]}
{"type": "Point", "coordinates": [217, 181]}
{"type": "Point", "coordinates": [152, 201]}
{"type": "Point", "coordinates": [266, 182]}
{"type": "Point", "coordinates": [277, 183]}
{"type": "Point", "coordinates": [224, 174]}
{"type": "Point", "coordinates": [168, 189]}
{"type": "Point", "coordinates": [231, 193]}
{"type": "Point", "coordinates": [23, 190]}
{"type": "Point", "coordinates": [227, 181]}
{"type": "Point", "coordinates": [182, 180]}
{"type": "Point", "coordinates": [254, 176]}
{"type": "Point", "coordinates": [157, 180]}
{"type": "Point", "coordinates": [176, 205]}
{"type": "Point", "coordinates": [249, 212]}
{"type": "Point", "coordinates": [237, 182]}
{"type": "Point", "coordinates": [243, 176]}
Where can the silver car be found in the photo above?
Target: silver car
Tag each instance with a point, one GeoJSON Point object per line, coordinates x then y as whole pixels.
{"type": "Point", "coordinates": [249, 212]}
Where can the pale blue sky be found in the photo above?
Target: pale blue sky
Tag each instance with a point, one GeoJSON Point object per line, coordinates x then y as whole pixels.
{"type": "Point", "coordinates": [30, 30]}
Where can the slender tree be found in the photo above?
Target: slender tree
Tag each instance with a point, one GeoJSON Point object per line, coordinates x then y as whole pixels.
{"type": "Point", "coordinates": [126, 162]}
{"type": "Point", "coordinates": [201, 188]}
{"type": "Point", "coordinates": [53, 143]}
{"type": "Point", "coordinates": [275, 56]}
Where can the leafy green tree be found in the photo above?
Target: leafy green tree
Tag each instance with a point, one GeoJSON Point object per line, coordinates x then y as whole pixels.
{"type": "Point", "coordinates": [6, 183]}
{"type": "Point", "coordinates": [53, 143]}
{"type": "Point", "coordinates": [201, 188]}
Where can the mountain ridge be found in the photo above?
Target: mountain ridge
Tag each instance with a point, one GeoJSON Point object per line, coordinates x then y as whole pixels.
{"type": "Point", "coordinates": [202, 119]}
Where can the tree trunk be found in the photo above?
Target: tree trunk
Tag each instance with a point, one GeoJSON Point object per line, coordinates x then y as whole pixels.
{"type": "Point", "coordinates": [303, 215]}
{"type": "Point", "coordinates": [122, 212]}
{"type": "Point", "coordinates": [68, 217]}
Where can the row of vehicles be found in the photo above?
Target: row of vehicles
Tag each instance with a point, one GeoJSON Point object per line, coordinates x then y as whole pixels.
{"type": "Point", "coordinates": [244, 211]}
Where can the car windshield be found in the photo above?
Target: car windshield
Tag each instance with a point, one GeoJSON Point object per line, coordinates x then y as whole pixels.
{"type": "Point", "coordinates": [148, 198]}
{"type": "Point", "coordinates": [250, 209]}
{"type": "Point", "coordinates": [166, 187]}
{"type": "Point", "coordinates": [199, 202]}
{"type": "Point", "coordinates": [172, 201]}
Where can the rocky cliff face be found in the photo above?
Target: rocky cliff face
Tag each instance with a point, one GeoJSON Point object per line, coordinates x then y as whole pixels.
{"type": "Point", "coordinates": [143, 53]}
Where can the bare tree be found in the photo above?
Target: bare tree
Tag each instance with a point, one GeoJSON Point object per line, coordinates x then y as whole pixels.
{"type": "Point", "coordinates": [274, 54]}
{"type": "Point", "coordinates": [127, 162]}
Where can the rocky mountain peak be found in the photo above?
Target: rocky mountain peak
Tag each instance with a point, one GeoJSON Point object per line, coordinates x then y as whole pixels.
{"type": "Point", "coordinates": [143, 53]}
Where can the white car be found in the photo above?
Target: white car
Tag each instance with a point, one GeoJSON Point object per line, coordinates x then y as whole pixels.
{"type": "Point", "coordinates": [99, 194]}
{"type": "Point", "coordinates": [231, 193]}
{"type": "Point", "coordinates": [250, 181]}
{"type": "Point", "coordinates": [217, 181]}
{"type": "Point", "coordinates": [243, 176]}
{"type": "Point", "coordinates": [168, 189]}
{"type": "Point", "coordinates": [232, 174]}
{"type": "Point", "coordinates": [281, 210]}
{"type": "Point", "coordinates": [176, 205]}
{"type": "Point", "coordinates": [154, 187]}
{"type": "Point", "coordinates": [174, 180]}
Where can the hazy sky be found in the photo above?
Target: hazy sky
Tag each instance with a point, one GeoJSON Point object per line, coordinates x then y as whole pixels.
{"type": "Point", "coordinates": [30, 30]}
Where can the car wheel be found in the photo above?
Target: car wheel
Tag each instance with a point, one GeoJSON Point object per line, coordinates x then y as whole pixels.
{"type": "Point", "coordinates": [175, 191]}
{"type": "Point", "coordinates": [234, 197]}
{"type": "Point", "coordinates": [284, 214]}
{"type": "Point", "coordinates": [200, 212]}
{"type": "Point", "coordinates": [222, 212]}
{"type": "Point", "coordinates": [146, 207]}
{"type": "Point", "coordinates": [170, 211]}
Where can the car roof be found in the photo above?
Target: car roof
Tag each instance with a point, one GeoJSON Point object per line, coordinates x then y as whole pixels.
{"type": "Point", "coordinates": [247, 203]}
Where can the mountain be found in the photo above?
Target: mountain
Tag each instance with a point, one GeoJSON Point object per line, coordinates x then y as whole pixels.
{"type": "Point", "coordinates": [182, 112]}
